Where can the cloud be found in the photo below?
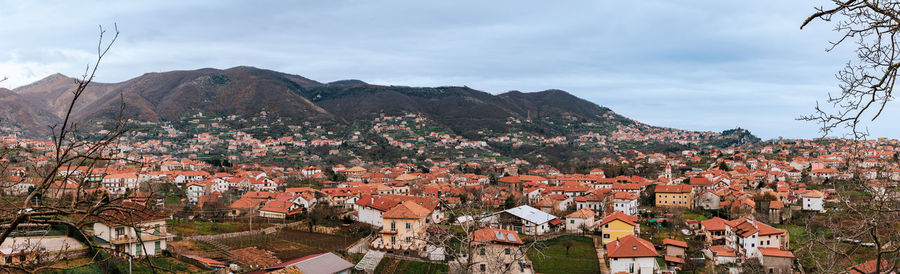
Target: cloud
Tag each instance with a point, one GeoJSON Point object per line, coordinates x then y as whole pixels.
{"type": "Point", "coordinates": [701, 65]}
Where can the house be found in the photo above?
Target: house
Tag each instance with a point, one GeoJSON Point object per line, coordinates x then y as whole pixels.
{"type": "Point", "coordinates": [813, 200]}
{"type": "Point", "coordinates": [279, 209]}
{"type": "Point", "coordinates": [777, 261]}
{"type": "Point", "coordinates": [747, 237]}
{"type": "Point", "coordinates": [118, 183]}
{"type": "Point", "coordinates": [871, 267]}
{"type": "Point", "coordinates": [581, 220]}
{"type": "Point", "coordinates": [207, 262]}
{"type": "Point", "coordinates": [524, 219]}
{"type": "Point", "coordinates": [61, 189]}
{"type": "Point", "coordinates": [370, 208]}
{"type": "Point", "coordinates": [626, 203]}
{"type": "Point", "coordinates": [133, 229]}
{"type": "Point", "coordinates": [674, 196]}
{"type": "Point", "coordinates": [618, 225]}
{"type": "Point", "coordinates": [675, 252]}
{"type": "Point", "coordinates": [325, 263]}
{"type": "Point", "coordinates": [709, 200]}
{"type": "Point", "coordinates": [631, 254]}
{"type": "Point", "coordinates": [498, 251]}
{"type": "Point", "coordinates": [404, 229]}
{"type": "Point", "coordinates": [595, 201]}
{"type": "Point", "coordinates": [714, 230]}
{"type": "Point", "coordinates": [721, 254]}
{"type": "Point", "coordinates": [194, 190]}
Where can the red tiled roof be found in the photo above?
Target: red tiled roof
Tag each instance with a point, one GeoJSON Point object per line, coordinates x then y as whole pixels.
{"type": "Point", "coordinates": [494, 235]}
{"type": "Point", "coordinates": [774, 252]}
{"type": "Point", "coordinates": [714, 224]}
{"type": "Point", "coordinates": [618, 215]}
{"type": "Point", "coordinates": [673, 188]}
{"type": "Point", "coordinates": [675, 243]}
{"type": "Point", "coordinates": [582, 213]}
{"type": "Point", "coordinates": [379, 203]}
{"type": "Point", "coordinates": [631, 247]}
{"type": "Point", "coordinates": [868, 267]}
{"type": "Point", "coordinates": [720, 250]}
{"type": "Point", "coordinates": [674, 259]}
{"type": "Point", "coordinates": [406, 210]}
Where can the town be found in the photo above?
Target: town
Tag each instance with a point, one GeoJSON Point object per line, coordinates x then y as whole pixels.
{"type": "Point", "coordinates": [761, 207]}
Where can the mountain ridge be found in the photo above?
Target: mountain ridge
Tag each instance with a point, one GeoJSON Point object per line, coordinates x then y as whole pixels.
{"type": "Point", "coordinates": [245, 90]}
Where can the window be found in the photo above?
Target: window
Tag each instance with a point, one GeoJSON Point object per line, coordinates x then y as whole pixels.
{"type": "Point", "coordinates": [506, 251]}
{"type": "Point", "coordinates": [571, 221]}
{"type": "Point", "coordinates": [408, 225]}
{"type": "Point", "coordinates": [483, 268]}
{"type": "Point", "coordinates": [605, 236]}
{"type": "Point", "coordinates": [140, 249]}
{"type": "Point", "coordinates": [393, 239]}
{"type": "Point", "coordinates": [156, 230]}
{"type": "Point", "coordinates": [408, 239]}
{"type": "Point", "coordinates": [393, 226]}
{"type": "Point", "coordinates": [120, 231]}
{"type": "Point", "coordinates": [158, 246]}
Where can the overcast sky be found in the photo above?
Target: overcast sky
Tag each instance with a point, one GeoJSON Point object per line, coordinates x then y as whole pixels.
{"type": "Point", "coordinates": [698, 65]}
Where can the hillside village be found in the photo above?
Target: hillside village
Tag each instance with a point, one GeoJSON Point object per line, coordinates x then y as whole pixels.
{"type": "Point", "coordinates": [756, 207]}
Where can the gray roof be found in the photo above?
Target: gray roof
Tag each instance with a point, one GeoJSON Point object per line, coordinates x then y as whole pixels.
{"type": "Point", "coordinates": [326, 263]}
{"type": "Point", "coordinates": [530, 214]}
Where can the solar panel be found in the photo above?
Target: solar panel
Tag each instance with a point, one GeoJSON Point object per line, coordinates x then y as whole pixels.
{"type": "Point", "coordinates": [511, 237]}
{"type": "Point", "coordinates": [499, 236]}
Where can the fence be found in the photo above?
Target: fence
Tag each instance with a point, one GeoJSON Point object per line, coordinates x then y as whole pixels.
{"type": "Point", "coordinates": [268, 230]}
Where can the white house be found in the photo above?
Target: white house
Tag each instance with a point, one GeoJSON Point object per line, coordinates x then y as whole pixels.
{"type": "Point", "coordinates": [133, 229]}
{"type": "Point", "coordinates": [631, 254]}
{"type": "Point", "coordinates": [524, 219]}
{"type": "Point", "coordinates": [194, 190]}
{"type": "Point", "coordinates": [370, 208]}
{"type": "Point", "coordinates": [626, 203]}
{"type": "Point", "coordinates": [742, 236]}
{"type": "Point", "coordinates": [580, 219]}
{"type": "Point", "coordinates": [119, 183]}
{"type": "Point", "coordinates": [813, 200]}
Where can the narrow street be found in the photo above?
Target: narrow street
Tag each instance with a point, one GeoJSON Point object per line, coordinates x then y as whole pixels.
{"type": "Point", "coordinates": [601, 255]}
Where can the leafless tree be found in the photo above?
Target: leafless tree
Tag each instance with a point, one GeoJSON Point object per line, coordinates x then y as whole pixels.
{"type": "Point", "coordinates": [863, 226]}
{"type": "Point", "coordinates": [467, 252]}
{"type": "Point", "coordinates": [65, 190]}
{"type": "Point", "coordinates": [866, 83]}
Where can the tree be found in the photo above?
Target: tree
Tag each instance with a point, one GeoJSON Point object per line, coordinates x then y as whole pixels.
{"type": "Point", "coordinates": [866, 84]}
{"type": "Point", "coordinates": [71, 149]}
{"type": "Point", "coordinates": [509, 203]}
{"type": "Point", "coordinates": [458, 241]}
{"type": "Point", "coordinates": [568, 243]}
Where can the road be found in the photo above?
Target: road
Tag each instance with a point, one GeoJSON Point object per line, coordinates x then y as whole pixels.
{"type": "Point", "coordinates": [601, 255]}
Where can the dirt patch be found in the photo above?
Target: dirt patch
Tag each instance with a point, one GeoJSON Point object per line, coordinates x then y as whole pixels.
{"type": "Point", "coordinates": [253, 257]}
{"type": "Point", "coordinates": [328, 242]}
{"type": "Point", "coordinates": [196, 249]}
{"type": "Point", "coordinates": [287, 251]}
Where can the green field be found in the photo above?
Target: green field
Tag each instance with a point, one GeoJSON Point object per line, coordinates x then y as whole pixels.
{"type": "Point", "coordinates": [694, 216]}
{"type": "Point", "coordinates": [550, 256]}
{"type": "Point", "coordinates": [390, 265]}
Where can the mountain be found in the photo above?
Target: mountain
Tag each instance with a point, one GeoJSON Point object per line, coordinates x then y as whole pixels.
{"type": "Point", "coordinates": [173, 96]}
{"type": "Point", "coordinates": [240, 90]}
{"type": "Point", "coordinates": [54, 93]}
{"type": "Point", "coordinates": [20, 114]}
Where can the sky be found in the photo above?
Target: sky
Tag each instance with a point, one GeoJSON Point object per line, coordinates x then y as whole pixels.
{"type": "Point", "coordinates": [696, 65]}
